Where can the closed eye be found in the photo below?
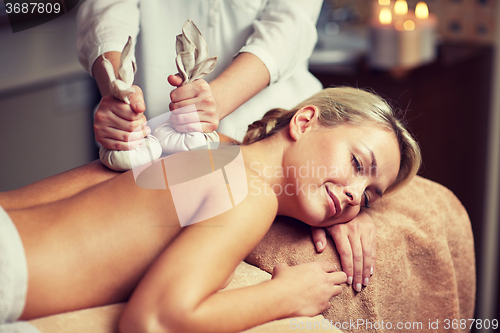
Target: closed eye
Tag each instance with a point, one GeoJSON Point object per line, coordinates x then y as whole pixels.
{"type": "Point", "coordinates": [356, 163]}
{"type": "Point", "coordinates": [359, 167]}
{"type": "Point", "coordinates": [367, 200]}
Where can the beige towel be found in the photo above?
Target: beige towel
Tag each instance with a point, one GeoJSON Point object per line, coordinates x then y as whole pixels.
{"type": "Point", "coordinates": [425, 269]}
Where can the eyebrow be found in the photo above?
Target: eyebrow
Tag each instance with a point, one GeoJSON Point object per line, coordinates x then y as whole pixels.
{"type": "Point", "coordinates": [373, 166]}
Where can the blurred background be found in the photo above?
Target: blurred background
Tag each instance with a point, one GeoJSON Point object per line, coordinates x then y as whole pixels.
{"type": "Point", "coordinates": [451, 103]}
{"type": "Point", "coordinates": [451, 100]}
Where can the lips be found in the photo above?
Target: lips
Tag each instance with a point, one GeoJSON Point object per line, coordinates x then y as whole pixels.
{"type": "Point", "coordinates": [333, 203]}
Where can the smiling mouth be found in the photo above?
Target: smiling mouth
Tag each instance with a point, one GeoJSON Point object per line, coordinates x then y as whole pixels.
{"type": "Point", "coordinates": [333, 203]}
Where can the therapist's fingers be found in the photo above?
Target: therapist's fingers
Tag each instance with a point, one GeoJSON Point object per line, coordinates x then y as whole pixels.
{"type": "Point", "coordinates": [194, 110]}
{"type": "Point", "coordinates": [126, 140]}
{"type": "Point", "coordinates": [199, 94]}
{"type": "Point", "coordinates": [186, 119]}
{"type": "Point", "coordinates": [110, 103]}
{"type": "Point", "coordinates": [175, 80]}
{"type": "Point", "coordinates": [120, 145]}
{"type": "Point", "coordinates": [115, 124]}
{"type": "Point", "coordinates": [137, 100]}
{"type": "Point", "coordinates": [105, 120]}
{"type": "Point", "coordinates": [205, 106]}
{"type": "Point", "coordinates": [187, 116]}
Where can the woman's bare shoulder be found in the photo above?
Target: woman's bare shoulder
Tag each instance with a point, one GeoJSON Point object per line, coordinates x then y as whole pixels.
{"type": "Point", "coordinates": [206, 183]}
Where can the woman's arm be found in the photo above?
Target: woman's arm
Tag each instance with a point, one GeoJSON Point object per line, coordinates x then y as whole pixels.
{"type": "Point", "coordinates": [57, 187]}
{"type": "Point", "coordinates": [180, 291]}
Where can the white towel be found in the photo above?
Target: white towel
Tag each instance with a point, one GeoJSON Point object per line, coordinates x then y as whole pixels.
{"type": "Point", "coordinates": [13, 278]}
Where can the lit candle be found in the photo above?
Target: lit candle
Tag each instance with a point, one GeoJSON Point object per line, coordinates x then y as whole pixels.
{"type": "Point", "coordinates": [400, 7]}
{"type": "Point", "coordinates": [401, 38]}
{"type": "Point", "coordinates": [400, 10]}
{"type": "Point", "coordinates": [378, 6]}
{"type": "Point", "coordinates": [409, 48]}
{"type": "Point", "coordinates": [383, 36]}
{"type": "Point", "coordinates": [385, 16]}
{"type": "Point", "coordinates": [422, 11]}
{"type": "Point", "coordinates": [427, 23]}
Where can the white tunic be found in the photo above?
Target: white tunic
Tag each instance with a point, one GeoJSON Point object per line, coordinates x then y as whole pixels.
{"type": "Point", "coordinates": [282, 33]}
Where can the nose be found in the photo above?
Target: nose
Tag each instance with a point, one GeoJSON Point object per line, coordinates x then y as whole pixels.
{"type": "Point", "coordinates": [353, 197]}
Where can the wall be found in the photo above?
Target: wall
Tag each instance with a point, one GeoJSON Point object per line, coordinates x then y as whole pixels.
{"type": "Point", "coordinates": [46, 102]}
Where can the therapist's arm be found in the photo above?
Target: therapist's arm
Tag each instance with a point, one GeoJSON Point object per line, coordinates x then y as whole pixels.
{"type": "Point", "coordinates": [115, 121]}
{"type": "Point", "coordinates": [244, 78]}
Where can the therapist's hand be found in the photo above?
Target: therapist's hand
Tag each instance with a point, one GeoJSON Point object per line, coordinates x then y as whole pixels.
{"type": "Point", "coordinates": [202, 116]}
{"type": "Point", "coordinates": [118, 125]}
{"type": "Point", "coordinates": [356, 243]}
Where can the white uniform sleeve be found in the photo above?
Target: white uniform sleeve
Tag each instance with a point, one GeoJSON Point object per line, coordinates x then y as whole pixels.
{"type": "Point", "coordinates": [104, 26]}
{"type": "Point", "coordinates": [285, 35]}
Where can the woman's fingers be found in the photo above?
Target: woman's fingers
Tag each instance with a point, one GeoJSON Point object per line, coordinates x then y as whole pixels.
{"type": "Point", "coordinates": [339, 277]}
{"type": "Point", "coordinates": [367, 267]}
{"type": "Point", "coordinates": [328, 267]}
{"type": "Point", "coordinates": [319, 238]}
{"type": "Point", "coordinates": [357, 257]}
{"type": "Point", "coordinates": [356, 243]}
{"type": "Point", "coordinates": [340, 237]}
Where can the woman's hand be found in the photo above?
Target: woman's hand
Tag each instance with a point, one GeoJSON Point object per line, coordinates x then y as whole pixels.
{"type": "Point", "coordinates": [202, 116]}
{"type": "Point", "coordinates": [356, 243]}
{"type": "Point", "coordinates": [118, 125]}
{"type": "Point", "coordinates": [311, 285]}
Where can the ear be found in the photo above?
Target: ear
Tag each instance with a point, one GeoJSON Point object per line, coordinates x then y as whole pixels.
{"type": "Point", "coordinates": [303, 120]}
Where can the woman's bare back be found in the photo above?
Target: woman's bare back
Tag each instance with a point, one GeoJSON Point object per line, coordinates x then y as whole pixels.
{"type": "Point", "coordinates": [93, 248]}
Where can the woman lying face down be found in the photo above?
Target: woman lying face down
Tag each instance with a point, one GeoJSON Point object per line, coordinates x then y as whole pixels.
{"type": "Point", "coordinates": [320, 162]}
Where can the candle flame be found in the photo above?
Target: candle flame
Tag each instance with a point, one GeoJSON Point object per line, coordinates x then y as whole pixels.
{"type": "Point", "coordinates": [409, 25]}
{"type": "Point", "coordinates": [422, 11]}
{"type": "Point", "coordinates": [384, 2]}
{"type": "Point", "coordinates": [385, 16]}
{"type": "Point", "coordinates": [400, 7]}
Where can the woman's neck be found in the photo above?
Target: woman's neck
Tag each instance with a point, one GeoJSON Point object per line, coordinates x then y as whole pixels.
{"type": "Point", "coordinates": [265, 161]}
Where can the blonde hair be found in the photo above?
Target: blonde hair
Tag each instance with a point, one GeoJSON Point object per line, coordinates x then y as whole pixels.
{"type": "Point", "coordinates": [345, 105]}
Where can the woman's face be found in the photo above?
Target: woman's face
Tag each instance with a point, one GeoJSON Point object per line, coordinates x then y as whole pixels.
{"type": "Point", "coordinates": [336, 171]}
